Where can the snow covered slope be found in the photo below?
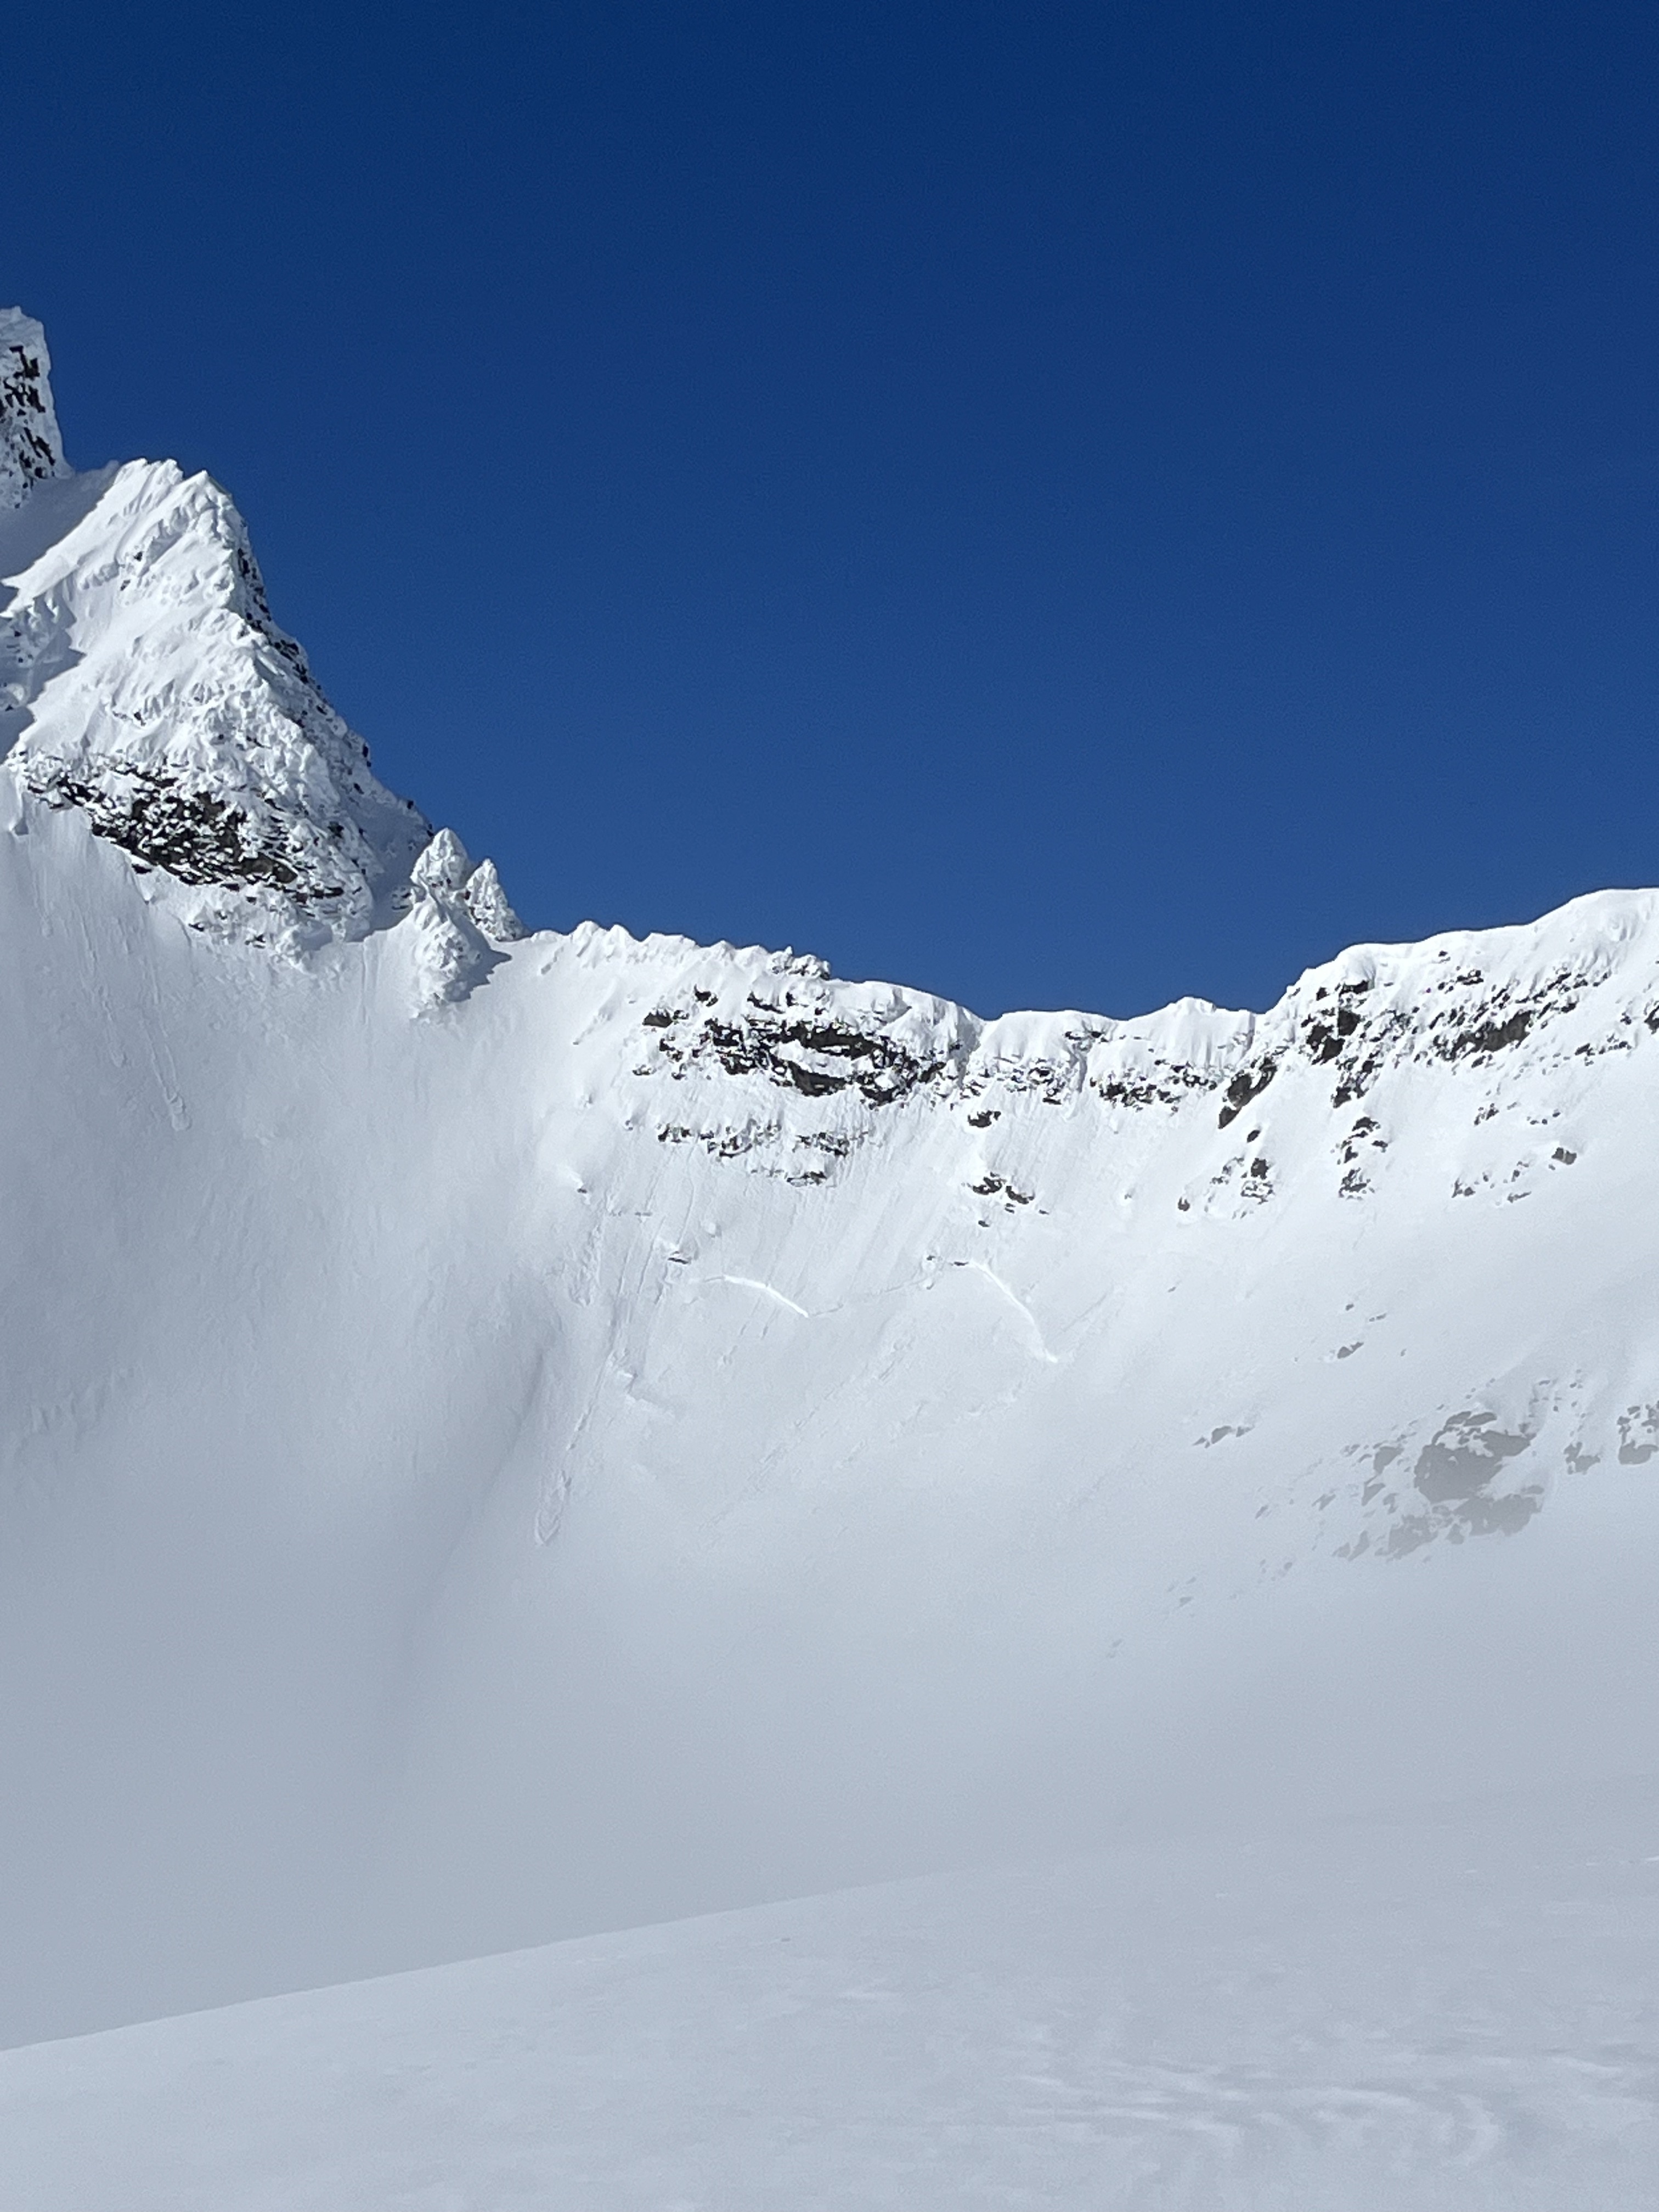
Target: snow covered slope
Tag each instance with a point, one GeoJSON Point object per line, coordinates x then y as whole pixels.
{"type": "Point", "coordinates": [502, 1437]}
{"type": "Point", "coordinates": [1444, 2015]}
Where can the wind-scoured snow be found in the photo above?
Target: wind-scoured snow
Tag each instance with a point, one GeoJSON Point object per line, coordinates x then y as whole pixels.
{"type": "Point", "coordinates": [503, 1436]}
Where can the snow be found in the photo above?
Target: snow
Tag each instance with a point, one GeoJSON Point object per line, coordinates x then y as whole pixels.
{"type": "Point", "coordinates": [507, 1437]}
{"type": "Point", "coordinates": [143, 681]}
{"type": "Point", "coordinates": [1453, 2011]}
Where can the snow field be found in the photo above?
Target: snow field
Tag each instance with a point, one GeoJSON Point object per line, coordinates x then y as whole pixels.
{"type": "Point", "coordinates": [1433, 2015]}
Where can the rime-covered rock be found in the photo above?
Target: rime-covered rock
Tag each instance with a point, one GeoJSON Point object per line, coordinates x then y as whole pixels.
{"type": "Point", "coordinates": [31, 451]}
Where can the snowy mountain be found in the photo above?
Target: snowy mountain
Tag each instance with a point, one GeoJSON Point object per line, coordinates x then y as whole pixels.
{"type": "Point", "coordinates": [147, 686]}
{"type": "Point", "coordinates": [509, 1435]}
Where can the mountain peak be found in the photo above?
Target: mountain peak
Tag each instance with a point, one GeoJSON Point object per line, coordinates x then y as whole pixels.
{"type": "Point", "coordinates": [31, 448]}
{"type": "Point", "coordinates": [144, 683]}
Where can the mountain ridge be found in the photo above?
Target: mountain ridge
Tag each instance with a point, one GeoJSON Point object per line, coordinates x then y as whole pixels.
{"type": "Point", "coordinates": [191, 806]}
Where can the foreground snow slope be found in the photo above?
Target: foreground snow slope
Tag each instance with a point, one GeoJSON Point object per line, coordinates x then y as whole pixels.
{"type": "Point", "coordinates": [500, 1437]}
{"type": "Point", "coordinates": [1454, 2013]}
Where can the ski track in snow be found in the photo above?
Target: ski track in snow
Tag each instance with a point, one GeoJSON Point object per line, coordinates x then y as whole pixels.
{"type": "Point", "coordinates": [766, 1291]}
{"type": "Point", "coordinates": [1020, 1307]}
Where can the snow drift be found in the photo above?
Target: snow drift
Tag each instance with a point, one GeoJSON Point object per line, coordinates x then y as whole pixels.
{"type": "Point", "coordinates": [503, 1436]}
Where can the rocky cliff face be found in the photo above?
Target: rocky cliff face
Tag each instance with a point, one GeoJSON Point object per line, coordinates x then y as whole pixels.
{"type": "Point", "coordinates": [31, 450]}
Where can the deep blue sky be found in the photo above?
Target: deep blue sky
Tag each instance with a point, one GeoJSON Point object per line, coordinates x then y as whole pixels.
{"type": "Point", "coordinates": [1058, 504]}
